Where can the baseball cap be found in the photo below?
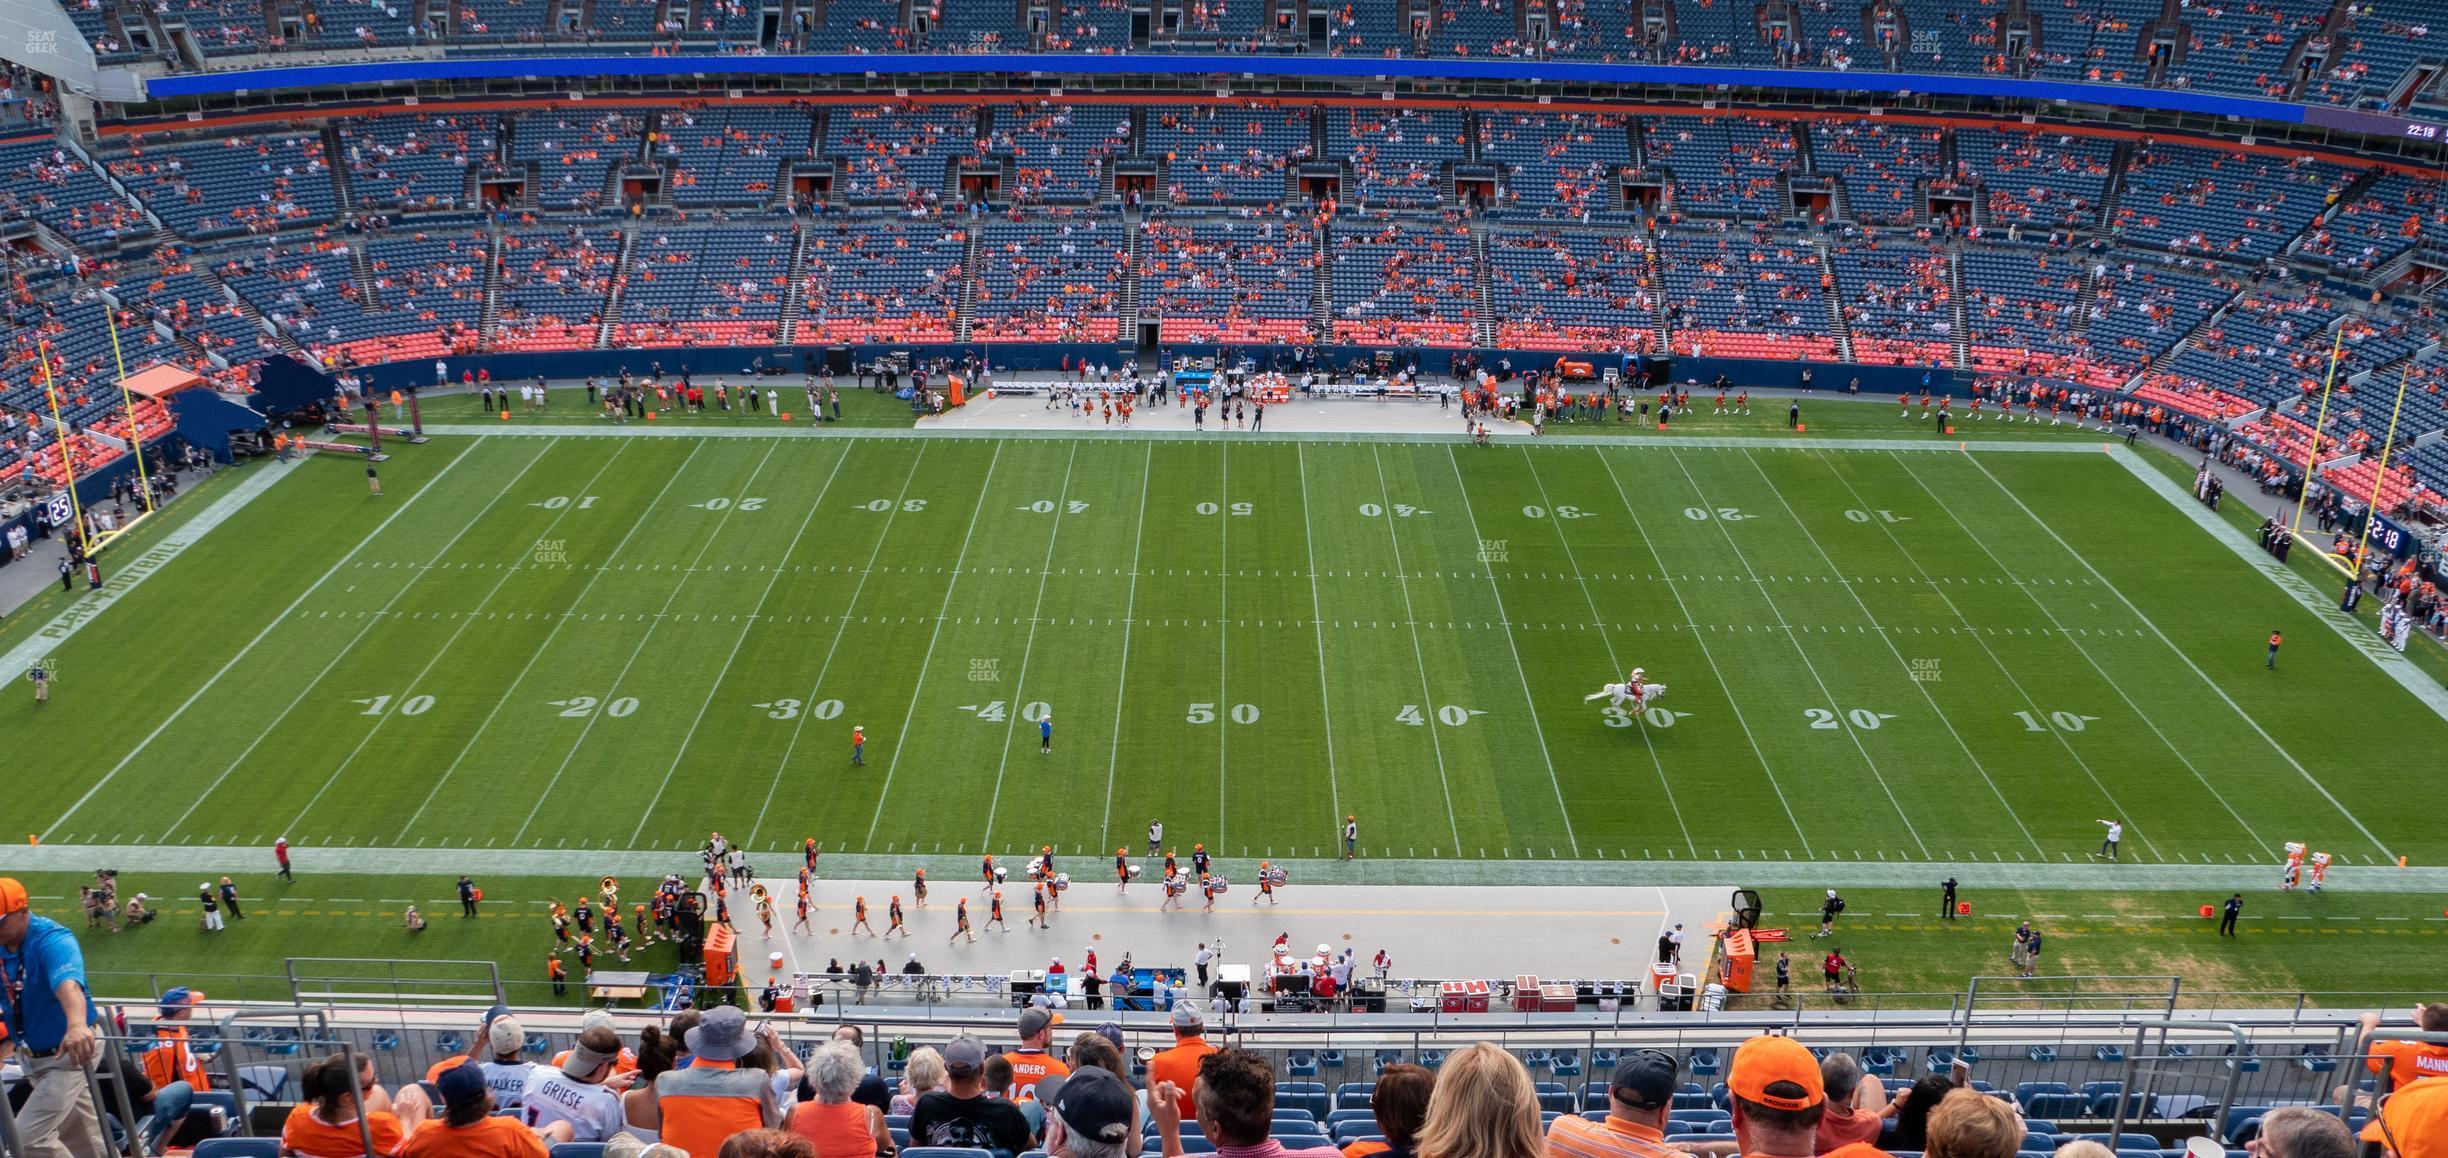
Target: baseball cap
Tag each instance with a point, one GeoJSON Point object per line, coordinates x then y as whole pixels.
{"type": "Point", "coordinates": [1034, 1021]}
{"type": "Point", "coordinates": [12, 896]}
{"type": "Point", "coordinates": [506, 1035]}
{"type": "Point", "coordinates": [964, 1055]}
{"type": "Point", "coordinates": [597, 1017]}
{"type": "Point", "coordinates": [1645, 1079]}
{"type": "Point", "coordinates": [1094, 1104]}
{"type": "Point", "coordinates": [462, 1085]}
{"type": "Point", "coordinates": [1111, 1031]}
{"type": "Point", "coordinates": [180, 998]}
{"type": "Point", "coordinates": [596, 1046]}
{"type": "Point", "coordinates": [1187, 1016]}
{"type": "Point", "coordinates": [1765, 1061]}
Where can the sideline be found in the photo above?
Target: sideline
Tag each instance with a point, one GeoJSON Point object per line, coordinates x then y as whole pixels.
{"type": "Point", "coordinates": [1346, 438]}
{"type": "Point", "coordinates": [2252, 878]}
{"type": "Point", "coordinates": [2324, 608]}
{"type": "Point", "coordinates": [132, 575]}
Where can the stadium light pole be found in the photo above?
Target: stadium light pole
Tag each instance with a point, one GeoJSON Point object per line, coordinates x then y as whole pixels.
{"type": "Point", "coordinates": [2312, 453]}
{"type": "Point", "coordinates": [67, 443]}
{"type": "Point", "coordinates": [135, 437]}
{"type": "Point", "coordinates": [2371, 510]}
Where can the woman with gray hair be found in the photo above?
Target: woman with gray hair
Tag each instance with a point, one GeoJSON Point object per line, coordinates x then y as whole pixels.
{"type": "Point", "coordinates": [925, 1072]}
{"type": "Point", "coordinates": [837, 1126]}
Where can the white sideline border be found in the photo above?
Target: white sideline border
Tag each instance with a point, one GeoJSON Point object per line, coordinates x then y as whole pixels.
{"type": "Point", "coordinates": [76, 616]}
{"type": "Point", "coordinates": [2389, 660]}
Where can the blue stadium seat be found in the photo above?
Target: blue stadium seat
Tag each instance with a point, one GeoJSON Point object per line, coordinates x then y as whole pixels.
{"type": "Point", "coordinates": [2060, 1105]}
{"type": "Point", "coordinates": [1301, 1065]}
{"type": "Point", "coordinates": [1553, 1096]}
{"type": "Point", "coordinates": [577, 1150]}
{"type": "Point", "coordinates": [1703, 1061]}
{"type": "Point", "coordinates": [1566, 1064]}
{"type": "Point", "coordinates": [1310, 1096]}
{"type": "Point", "coordinates": [1354, 1095]}
{"type": "Point", "coordinates": [1431, 1058]}
{"type": "Point", "coordinates": [238, 1148]}
{"type": "Point", "coordinates": [2042, 1054]}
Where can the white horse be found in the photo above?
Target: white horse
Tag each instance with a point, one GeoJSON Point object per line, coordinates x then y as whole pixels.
{"type": "Point", "coordinates": [1622, 694]}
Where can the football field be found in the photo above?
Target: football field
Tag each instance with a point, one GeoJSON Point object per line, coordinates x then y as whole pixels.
{"type": "Point", "coordinates": [608, 641]}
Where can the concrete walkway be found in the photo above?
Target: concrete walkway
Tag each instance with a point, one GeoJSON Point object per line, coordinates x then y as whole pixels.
{"type": "Point", "coordinates": [1578, 932]}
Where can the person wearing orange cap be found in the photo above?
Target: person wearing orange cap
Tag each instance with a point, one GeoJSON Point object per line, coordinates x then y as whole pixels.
{"type": "Point", "coordinates": [860, 906]}
{"type": "Point", "coordinates": [1777, 1097]}
{"type": "Point", "coordinates": [892, 919]}
{"type": "Point", "coordinates": [50, 1017]}
{"type": "Point", "coordinates": [1266, 883]}
{"type": "Point", "coordinates": [1198, 860]}
{"type": "Point", "coordinates": [918, 887]}
{"type": "Point", "coordinates": [960, 923]}
{"type": "Point", "coordinates": [1122, 869]}
{"type": "Point", "coordinates": [1351, 836]}
{"type": "Point", "coordinates": [994, 911]}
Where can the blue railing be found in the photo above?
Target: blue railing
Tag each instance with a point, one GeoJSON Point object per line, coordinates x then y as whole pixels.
{"type": "Point", "coordinates": [915, 65]}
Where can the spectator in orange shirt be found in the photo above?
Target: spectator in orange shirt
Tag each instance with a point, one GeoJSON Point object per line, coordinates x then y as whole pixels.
{"type": "Point", "coordinates": [1855, 1101]}
{"type": "Point", "coordinates": [1031, 1063]}
{"type": "Point", "coordinates": [325, 1125]}
{"type": "Point", "coordinates": [2414, 1122]}
{"type": "Point", "coordinates": [1180, 1064]}
{"type": "Point", "coordinates": [469, 1128]}
{"type": "Point", "coordinates": [1778, 1096]}
{"type": "Point", "coordinates": [2406, 1062]}
{"type": "Point", "coordinates": [1635, 1127]}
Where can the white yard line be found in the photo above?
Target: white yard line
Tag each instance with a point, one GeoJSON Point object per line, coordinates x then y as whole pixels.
{"type": "Point", "coordinates": [1224, 517]}
{"type": "Point", "coordinates": [2223, 534]}
{"type": "Point", "coordinates": [1130, 609]}
{"type": "Point", "coordinates": [807, 705]}
{"type": "Point", "coordinates": [2323, 606]}
{"type": "Point", "coordinates": [1317, 616]}
{"type": "Point", "coordinates": [612, 690]}
{"type": "Point", "coordinates": [503, 700]}
{"type": "Point", "coordinates": [448, 642]}
{"type": "Point", "coordinates": [147, 563]}
{"type": "Point", "coordinates": [1529, 701]}
{"type": "Point", "coordinates": [1428, 700]}
{"type": "Point", "coordinates": [1793, 637]}
{"type": "Point", "coordinates": [251, 644]}
{"type": "Point", "coordinates": [1614, 662]}
{"type": "Point", "coordinates": [345, 650]}
{"type": "Point", "coordinates": [781, 567]}
{"type": "Point", "coordinates": [918, 686]}
{"type": "Point", "coordinates": [1761, 754]}
{"type": "Point", "coordinates": [1902, 664]}
{"type": "Point", "coordinates": [1045, 571]}
{"type": "Point", "coordinates": [2130, 703]}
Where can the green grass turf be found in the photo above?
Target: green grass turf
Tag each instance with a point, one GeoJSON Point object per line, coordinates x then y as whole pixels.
{"type": "Point", "coordinates": [629, 642]}
{"type": "Point", "coordinates": [2354, 949]}
{"type": "Point", "coordinates": [860, 408]}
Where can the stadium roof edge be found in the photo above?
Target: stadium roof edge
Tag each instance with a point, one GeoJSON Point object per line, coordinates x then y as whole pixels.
{"type": "Point", "coordinates": [1324, 67]}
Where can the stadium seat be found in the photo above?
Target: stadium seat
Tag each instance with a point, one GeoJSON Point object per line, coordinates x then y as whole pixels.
{"type": "Point", "coordinates": [901, 1138]}
{"type": "Point", "coordinates": [2057, 1105]}
{"type": "Point", "coordinates": [238, 1148]}
{"type": "Point", "coordinates": [1150, 1144]}
{"type": "Point", "coordinates": [1331, 1058]}
{"type": "Point", "coordinates": [1566, 1064]}
{"type": "Point", "coordinates": [947, 1152]}
{"type": "Point", "coordinates": [264, 1083]}
{"type": "Point", "coordinates": [2242, 1123]}
{"type": "Point", "coordinates": [1301, 1065]}
{"type": "Point", "coordinates": [1431, 1058]}
{"type": "Point", "coordinates": [1703, 1061]}
{"type": "Point", "coordinates": [1354, 1095]}
{"type": "Point", "coordinates": [1554, 1097]}
{"type": "Point", "coordinates": [2042, 1054]}
{"type": "Point", "coordinates": [1309, 1096]}
{"type": "Point", "coordinates": [577, 1150]}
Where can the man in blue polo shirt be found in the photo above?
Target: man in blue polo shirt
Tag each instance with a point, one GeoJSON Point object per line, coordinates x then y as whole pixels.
{"type": "Point", "coordinates": [44, 1002]}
